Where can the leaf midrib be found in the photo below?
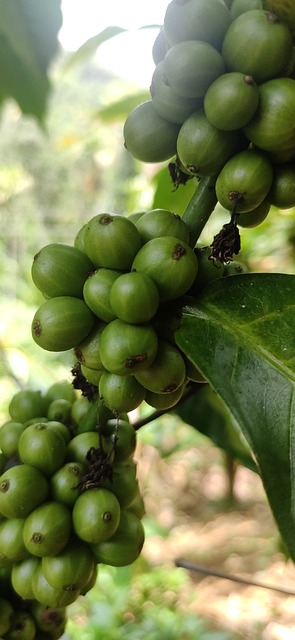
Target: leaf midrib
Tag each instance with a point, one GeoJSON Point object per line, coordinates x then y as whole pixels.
{"type": "Point", "coordinates": [211, 313]}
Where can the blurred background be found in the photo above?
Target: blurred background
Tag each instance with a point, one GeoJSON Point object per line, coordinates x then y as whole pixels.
{"type": "Point", "coordinates": [200, 504]}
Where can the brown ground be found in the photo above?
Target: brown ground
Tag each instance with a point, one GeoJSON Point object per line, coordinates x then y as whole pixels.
{"type": "Point", "coordinates": [187, 493]}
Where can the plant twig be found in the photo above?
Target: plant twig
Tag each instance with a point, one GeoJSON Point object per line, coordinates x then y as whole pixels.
{"type": "Point", "coordinates": [185, 564]}
{"type": "Point", "coordinates": [200, 207]}
{"type": "Point", "coordinates": [191, 390]}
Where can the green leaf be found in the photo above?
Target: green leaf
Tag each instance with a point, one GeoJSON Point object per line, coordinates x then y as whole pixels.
{"type": "Point", "coordinates": [89, 47]}
{"type": "Point", "coordinates": [207, 413]}
{"type": "Point", "coordinates": [167, 197]}
{"type": "Point", "coordinates": [240, 333]}
{"type": "Point", "coordinates": [28, 41]}
{"type": "Point", "coordinates": [121, 108]}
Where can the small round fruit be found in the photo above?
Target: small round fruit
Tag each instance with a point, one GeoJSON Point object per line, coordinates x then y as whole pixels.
{"type": "Point", "coordinates": [120, 392]}
{"type": "Point", "coordinates": [48, 596]}
{"type": "Point", "coordinates": [79, 446]}
{"type": "Point", "coordinates": [71, 568]}
{"type": "Point", "coordinates": [134, 298]}
{"type": "Point", "coordinates": [60, 390]}
{"type": "Point", "coordinates": [26, 404]}
{"type": "Point", "coordinates": [126, 348]}
{"type": "Point", "coordinates": [241, 6]}
{"type": "Point", "coordinates": [137, 506]}
{"type": "Point", "coordinates": [191, 66]}
{"type": "Point", "coordinates": [202, 148]}
{"type": "Point", "coordinates": [163, 401]}
{"type": "Point", "coordinates": [64, 482]}
{"type": "Point", "coordinates": [60, 270]}
{"type": "Point", "coordinates": [49, 619]}
{"type": "Point", "coordinates": [96, 515]}
{"type": "Point", "coordinates": [258, 44]}
{"type": "Point", "coordinates": [235, 268]}
{"type": "Point", "coordinates": [61, 323]}
{"type": "Point", "coordinates": [208, 270]}
{"type": "Point", "coordinates": [6, 615]}
{"type": "Point", "coordinates": [125, 545]}
{"type": "Point", "coordinates": [42, 447]}
{"type": "Point", "coordinates": [92, 375]}
{"type": "Point", "coordinates": [22, 575]}
{"type": "Point", "coordinates": [148, 136]}
{"type": "Point", "coordinates": [47, 529]}
{"type": "Point", "coordinates": [196, 20]}
{"type": "Point", "coordinates": [161, 222]}
{"type": "Point", "coordinates": [159, 48]}
{"type": "Point", "coordinates": [169, 104]}
{"type": "Point", "coordinates": [91, 583]}
{"type": "Point", "coordinates": [22, 489]}
{"type": "Point", "coordinates": [237, 185]}
{"type": "Point", "coordinates": [23, 627]}
{"type": "Point", "coordinates": [272, 128]}
{"type": "Point", "coordinates": [282, 192]}
{"type": "Point", "coordinates": [166, 373]}
{"type": "Point", "coordinates": [231, 101]}
{"type": "Point", "coordinates": [111, 241]}
{"type": "Point", "coordinates": [170, 262]}
{"type": "Point", "coordinates": [123, 484]}
{"type": "Point", "coordinates": [87, 352]}
{"type": "Point", "coordinates": [11, 539]}
{"type": "Point", "coordinates": [125, 435]}
{"type": "Point", "coordinates": [59, 410]}
{"type": "Point", "coordinates": [64, 430]}
{"type": "Point", "coordinates": [10, 434]}
{"type": "Point", "coordinates": [79, 411]}
{"type": "Point", "coordinates": [96, 292]}
{"type": "Point", "coordinates": [255, 217]}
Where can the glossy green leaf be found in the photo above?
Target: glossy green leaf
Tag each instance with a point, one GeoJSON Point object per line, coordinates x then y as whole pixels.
{"type": "Point", "coordinates": [207, 414]}
{"type": "Point", "coordinates": [240, 333]}
{"type": "Point", "coordinates": [28, 41]}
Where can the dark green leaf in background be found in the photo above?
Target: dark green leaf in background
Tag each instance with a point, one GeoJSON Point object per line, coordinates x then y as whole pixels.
{"type": "Point", "coordinates": [28, 42]}
{"type": "Point", "coordinates": [240, 333]}
{"type": "Point", "coordinates": [207, 413]}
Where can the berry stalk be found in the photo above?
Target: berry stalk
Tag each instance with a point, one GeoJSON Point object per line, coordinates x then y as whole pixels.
{"type": "Point", "coordinates": [200, 207]}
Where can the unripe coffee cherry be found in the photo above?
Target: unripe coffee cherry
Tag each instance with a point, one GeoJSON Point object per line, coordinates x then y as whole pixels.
{"type": "Point", "coordinates": [161, 222]}
{"type": "Point", "coordinates": [196, 20]}
{"type": "Point", "coordinates": [148, 136]}
{"type": "Point", "coordinates": [169, 104]}
{"type": "Point", "coordinates": [87, 352]}
{"type": "Point", "coordinates": [134, 297]}
{"type": "Point", "coordinates": [202, 148]}
{"type": "Point", "coordinates": [111, 241]}
{"type": "Point", "coordinates": [170, 262]}
{"type": "Point", "coordinates": [60, 270]}
{"type": "Point", "coordinates": [231, 101]}
{"type": "Point", "coordinates": [166, 373]}
{"type": "Point", "coordinates": [191, 66]}
{"type": "Point", "coordinates": [61, 323]}
{"type": "Point", "coordinates": [127, 348]}
{"type": "Point", "coordinates": [96, 292]}
{"type": "Point", "coordinates": [120, 393]}
{"type": "Point", "coordinates": [237, 185]}
{"type": "Point", "coordinates": [258, 44]}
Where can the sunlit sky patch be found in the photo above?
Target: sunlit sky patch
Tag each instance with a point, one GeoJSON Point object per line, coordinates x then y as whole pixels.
{"type": "Point", "coordinates": [128, 55]}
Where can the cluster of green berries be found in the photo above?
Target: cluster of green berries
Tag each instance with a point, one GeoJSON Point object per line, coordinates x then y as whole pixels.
{"type": "Point", "coordinates": [111, 298]}
{"type": "Point", "coordinates": [223, 103]}
{"type": "Point", "coordinates": [69, 500]}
